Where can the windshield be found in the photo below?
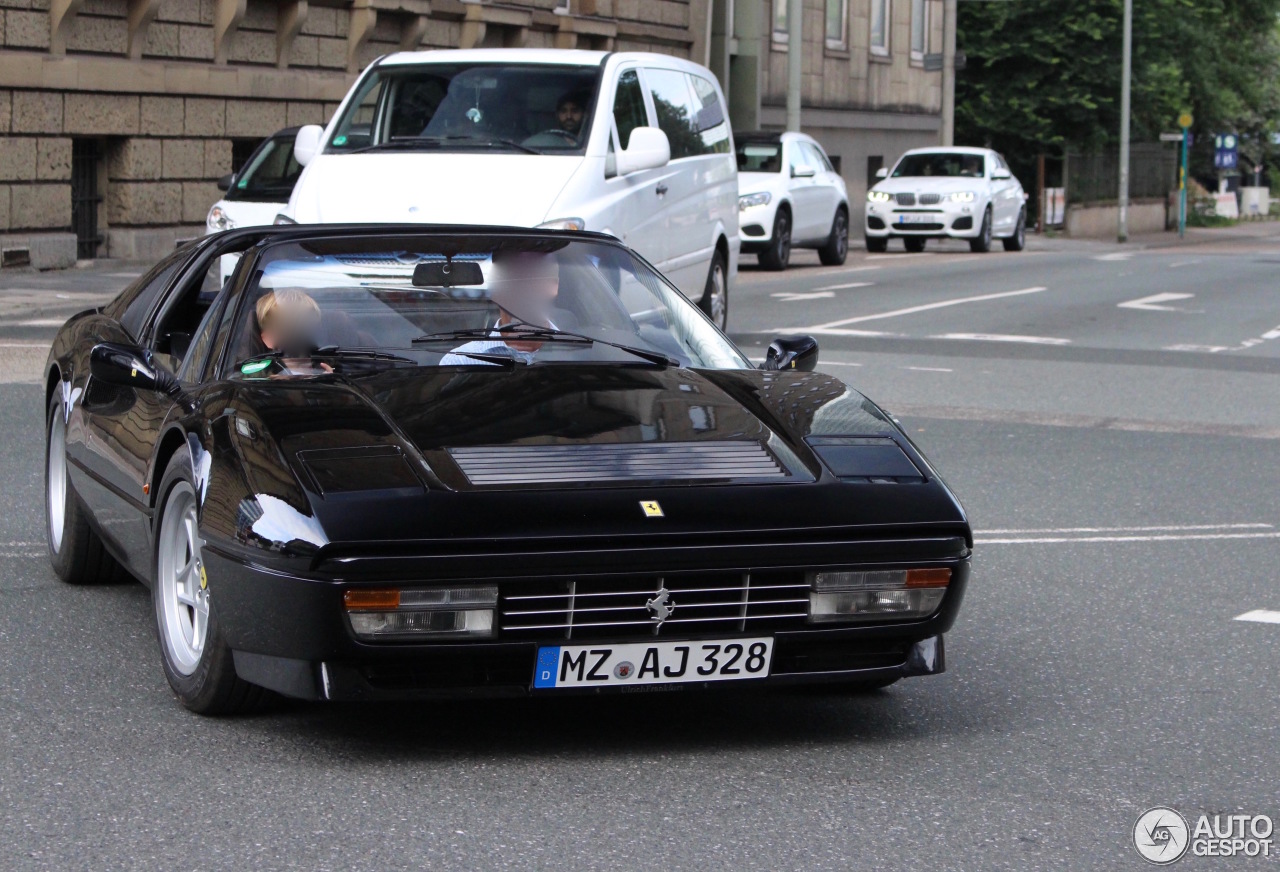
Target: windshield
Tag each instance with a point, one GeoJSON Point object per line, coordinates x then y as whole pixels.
{"type": "Point", "coordinates": [270, 174]}
{"type": "Point", "coordinates": [461, 107]}
{"type": "Point", "coordinates": [759, 157]}
{"type": "Point", "coordinates": [438, 300]}
{"type": "Point", "coordinates": [940, 163]}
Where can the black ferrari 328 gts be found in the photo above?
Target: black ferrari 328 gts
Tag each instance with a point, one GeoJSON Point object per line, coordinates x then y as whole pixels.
{"type": "Point", "coordinates": [394, 462]}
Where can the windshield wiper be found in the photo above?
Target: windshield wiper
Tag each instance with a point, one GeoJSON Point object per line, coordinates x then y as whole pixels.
{"type": "Point", "coordinates": [408, 142]}
{"type": "Point", "coordinates": [360, 351]}
{"type": "Point", "coordinates": [523, 330]}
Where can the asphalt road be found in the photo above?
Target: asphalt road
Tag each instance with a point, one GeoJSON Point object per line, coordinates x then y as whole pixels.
{"type": "Point", "coordinates": [1122, 478]}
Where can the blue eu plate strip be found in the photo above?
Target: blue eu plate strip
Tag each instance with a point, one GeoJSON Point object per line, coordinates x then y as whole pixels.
{"type": "Point", "coordinates": [548, 661]}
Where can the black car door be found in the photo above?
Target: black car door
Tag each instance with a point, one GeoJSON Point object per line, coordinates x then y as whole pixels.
{"type": "Point", "coordinates": [121, 425]}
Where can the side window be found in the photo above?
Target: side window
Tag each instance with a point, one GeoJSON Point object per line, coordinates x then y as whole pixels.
{"type": "Point", "coordinates": [677, 116]}
{"type": "Point", "coordinates": [628, 106]}
{"type": "Point", "coordinates": [133, 304]}
{"type": "Point", "coordinates": [795, 158]}
{"type": "Point", "coordinates": [193, 365]}
{"type": "Point", "coordinates": [713, 127]}
{"type": "Point", "coordinates": [820, 161]}
{"type": "Point", "coordinates": [181, 318]}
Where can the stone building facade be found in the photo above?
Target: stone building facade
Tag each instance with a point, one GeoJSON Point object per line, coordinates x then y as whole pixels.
{"type": "Point", "coordinates": [117, 116]}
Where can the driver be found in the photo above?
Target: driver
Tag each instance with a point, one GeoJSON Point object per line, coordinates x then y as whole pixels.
{"type": "Point", "coordinates": [524, 285]}
{"type": "Point", "coordinates": [569, 112]}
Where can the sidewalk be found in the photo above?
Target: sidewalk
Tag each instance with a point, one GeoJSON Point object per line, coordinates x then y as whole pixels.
{"type": "Point", "coordinates": [1245, 231]}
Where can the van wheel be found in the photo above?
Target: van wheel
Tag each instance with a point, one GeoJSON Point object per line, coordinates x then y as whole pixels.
{"type": "Point", "coordinates": [836, 249]}
{"type": "Point", "coordinates": [778, 254]}
{"type": "Point", "coordinates": [75, 550]}
{"type": "Point", "coordinates": [715, 297]}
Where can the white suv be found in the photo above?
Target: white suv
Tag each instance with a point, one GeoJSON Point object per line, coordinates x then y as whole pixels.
{"type": "Point", "coordinates": [936, 193]}
{"type": "Point", "coordinates": [633, 144]}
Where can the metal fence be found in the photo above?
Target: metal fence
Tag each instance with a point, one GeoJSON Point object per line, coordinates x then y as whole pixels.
{"type": "Point", "coordinates": [1095, 178]}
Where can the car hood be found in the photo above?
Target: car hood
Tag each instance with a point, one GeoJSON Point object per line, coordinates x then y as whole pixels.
{"type": "Point", "coordinates": [934, 184]}
{"type": "Point", "coordinates": [750, 183]}
{"type": "Point", "coordinates": [432, 188]}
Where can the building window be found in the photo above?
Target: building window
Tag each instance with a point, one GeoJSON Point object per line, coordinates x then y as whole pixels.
{"type": "Point", "coordinates": [85, 197]}
{"type": "Point", "coordinates": [780, 22]}
{"type": "Point", "coordinates": [919, 29]}
{"type": "Point", "coordinates": [880, 27]}
{"type": "Point", "coordinates": [837, 15]}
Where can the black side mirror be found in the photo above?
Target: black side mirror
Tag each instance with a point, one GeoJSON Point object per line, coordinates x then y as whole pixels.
{"type": "Point", "coordinates": [129, 367]}
{"type": "Point", "coordinates": [797, 353]}
{"type": "Point", "coordinates": [225, 183]}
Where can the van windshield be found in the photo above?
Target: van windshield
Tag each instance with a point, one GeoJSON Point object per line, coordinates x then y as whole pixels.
{"type": "Point", "coordinates": [532, 108]}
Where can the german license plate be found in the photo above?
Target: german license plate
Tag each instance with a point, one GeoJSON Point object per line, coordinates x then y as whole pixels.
{"type": "Point", "coordinates": [652, 663]}
{"type": "Point", "coordinates": [915, 219]}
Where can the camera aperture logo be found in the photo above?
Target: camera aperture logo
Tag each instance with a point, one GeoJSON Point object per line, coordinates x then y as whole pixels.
{"type": "Point", "coordinates": [1162, 835]}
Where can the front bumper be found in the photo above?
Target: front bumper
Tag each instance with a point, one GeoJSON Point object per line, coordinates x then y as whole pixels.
{"type": "Point", "coordinates": [290, 634]}
{"type": "Point", "coordinates": [945, 220]}
{"type": "Point", "coordinates": [755, 227]}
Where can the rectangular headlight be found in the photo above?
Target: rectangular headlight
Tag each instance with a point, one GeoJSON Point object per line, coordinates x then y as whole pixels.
{"type": "Point", "coordinates": [853, 596]}
{"type": "Point", "coordinates": [393, 614]}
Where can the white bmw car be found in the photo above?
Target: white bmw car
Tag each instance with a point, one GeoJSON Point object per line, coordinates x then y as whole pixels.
{"type": "Point", "coordinates": [940, 193]}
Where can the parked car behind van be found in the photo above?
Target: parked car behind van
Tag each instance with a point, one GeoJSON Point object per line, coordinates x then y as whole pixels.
{"type": "Point", "coordinates": [632, 144]}
{"type": "Point", "coordinates": [258, 191]}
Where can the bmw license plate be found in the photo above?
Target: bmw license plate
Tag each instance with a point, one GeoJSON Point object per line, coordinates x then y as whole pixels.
{"type": "Point", "coordinates": [652, 663]}
{"type": "Point", "coordinates": [915, 219]}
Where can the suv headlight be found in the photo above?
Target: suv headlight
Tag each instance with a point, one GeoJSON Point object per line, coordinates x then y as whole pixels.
{"type": "Point", "coordinates": [750, 201]}
{"type": "Point", "coordinates": [963, 197]}
{"type": "Point", "coordinates": [878, 197]}
{"type": "Point", "coordinates": [218, 220]}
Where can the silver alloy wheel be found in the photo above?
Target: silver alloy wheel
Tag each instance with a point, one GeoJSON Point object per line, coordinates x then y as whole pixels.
{"type": "Point", "coordinates": [718, 295]}
{"type": "Point", "coordinates": [56, 501]}
{"type": "Point", "coordinates": [986, 228]}
{"type": "Point", "coordinates": [842, 235]}
{"type": "Point", "coordinates": [1021, 233]}
{"type": "Point", "coordinates": [184, 601]}
{"type": "Point", "coordinates": [783, 238]}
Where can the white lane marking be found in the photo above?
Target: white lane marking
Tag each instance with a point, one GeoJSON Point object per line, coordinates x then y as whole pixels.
{"type": "Point", "coordinates": [44, 345]}
{"type": "Point", "coordinates": [796, 296]}
{"type": "Point", "coordinates": [1156, 529]}
{"type": "Point", "coordinates": [20, 544]}
{"type": "Point", "coordinates": [1203, 349]}
{"type": "Point", "coordinates": [1152, 303]}
{"type": "Point", "coordinates": [1163, 538]}
{"type": "Point", "coordinates": [904, 255]}
{"type": "Point", "coordinates": [927, 369]}
{"type": "Point", "coordinates": [844, 287]}
{"type": "Point", "coordinates": [1182, 263]}
{"type": "Point", "coordinates": [819, 331]}
{"type": "Point", "coordinates": [1115, 255]}
{"type": "Point", "coordinates": [925, 307]}
{"type": "Point", "coordinates": [1262, 616]}
{"type": "Point", "coordinates": [1001, 337]}
{"type": "Point", "coordinates": [852, 269]}
{"type": "Point", "coordinates": [838, 363]}
{"type": "Point", "coordinates": [41, 322]}
{"type": "Point", "coordinates": [1272, 334]}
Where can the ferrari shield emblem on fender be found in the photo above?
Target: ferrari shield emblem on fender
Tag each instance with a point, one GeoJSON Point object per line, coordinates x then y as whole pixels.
{"type": "Point", "coordinates": [651, 508]}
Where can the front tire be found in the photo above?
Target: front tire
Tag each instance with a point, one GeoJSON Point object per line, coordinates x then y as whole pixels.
{"type": "Point", "coordinates": [982, 243]}
{"type": "Point", "coordinates": [197, 662]}
{"type": "Point", "coordinates": [836, 248]}
{"type": "Point", "coordinates": [1018, 240]}
{"type": "Point", "coordinates": [715, 297]}
{"type": "Point", "coordinates": [75, 550]}
{"type": "Point", "coordinates": [778, 254]}
{"type": "Point", "coordinates": [877, 244]}
{"type": "Point", "coordinates": [914, 244]}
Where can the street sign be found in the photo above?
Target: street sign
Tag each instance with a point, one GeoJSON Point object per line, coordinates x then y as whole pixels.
{"type": "Point", "coordinates": [1185, 119]}
{"type": "Point", "coordinates": [1171, 137]}
{"type": "Point", "coordinates": [1226, 155]}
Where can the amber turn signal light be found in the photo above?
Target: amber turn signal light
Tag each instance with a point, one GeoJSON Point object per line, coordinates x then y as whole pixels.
{"type": "Point", "coordinates": [928, 577]}
{"type": "Point", "coordinates": [371, 599]}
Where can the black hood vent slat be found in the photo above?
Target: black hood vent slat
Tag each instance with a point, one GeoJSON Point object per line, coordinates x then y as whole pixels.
{"type": "Point", "coordinates": [682, 461]}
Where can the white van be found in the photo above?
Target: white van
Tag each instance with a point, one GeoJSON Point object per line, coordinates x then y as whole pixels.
{"type": "Point", "coordinates": [632, 144]}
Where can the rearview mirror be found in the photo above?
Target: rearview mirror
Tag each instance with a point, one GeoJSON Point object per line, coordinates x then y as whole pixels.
{"type": "Point", "coordinates": [306, 145]}
{"type": "Point", "coordinates": [129, 367]}
{"type": "Point", "coordinates": [802, 171]}
{"type": "Point", "coordinates": [647, 149]}
{"type": "Point", "coordinates": [999, 174]}
{"type": "Point", "coordinates": [225, 183]}
{"type": "Point", "coordinates": [451, 274]}
{"type": "Point", "coordinates": [882, 173]}
{"type": "Point", "coordinates": [798, 353]}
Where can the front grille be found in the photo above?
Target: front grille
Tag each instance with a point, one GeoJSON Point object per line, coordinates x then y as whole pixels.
{"type": "Point", "coordinates": [905, 199]}
{"type": "Point", "coordinates": [930, 226]}
{"type": "Point", "coordinates": [661, 461]}
{"type": "Point", "coordinates": [930, 199]}
{"type": "Point", "coordinates": [722, 603]}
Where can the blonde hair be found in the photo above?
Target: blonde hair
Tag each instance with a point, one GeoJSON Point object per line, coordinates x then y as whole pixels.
{"type": "Point", "coordinates": [289, 300]}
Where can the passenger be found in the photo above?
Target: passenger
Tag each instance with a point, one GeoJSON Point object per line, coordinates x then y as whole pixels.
{"type": "Point", "coordinates": [289, 321]}
{"type": "Point", "coordinates": [524, 285]}
{"type": "Point", "coordinates": [570, 111]}
{"type": "Point", "coordinates": [972, 167]}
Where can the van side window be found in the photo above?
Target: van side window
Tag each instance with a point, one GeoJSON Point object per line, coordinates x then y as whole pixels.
{"type": "Point", "coordinates": [713, 127]}
{"type": "Point", "coordinates": [673, 103]}
{"type": "Point", "coordinates": [628, 106]}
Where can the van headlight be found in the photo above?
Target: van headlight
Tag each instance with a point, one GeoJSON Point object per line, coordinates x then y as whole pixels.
{"type": "Point", "coordinates": [218, 220]}
{"type": "Point", "coordinates": [750, 201]}
{"type": "Point", "coordinates": [878, 197]}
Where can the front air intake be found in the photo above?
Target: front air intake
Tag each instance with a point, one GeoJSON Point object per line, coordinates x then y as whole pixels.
{"type": "Point", "coordinates": [588, 464]}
